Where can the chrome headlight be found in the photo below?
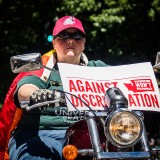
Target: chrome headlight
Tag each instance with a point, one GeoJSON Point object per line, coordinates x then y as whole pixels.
{"type": "Point", "coordinates": [123, 128]}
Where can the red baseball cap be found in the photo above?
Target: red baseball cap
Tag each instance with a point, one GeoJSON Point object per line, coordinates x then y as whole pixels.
{"type": "Point", "coordinates": [67, 22]}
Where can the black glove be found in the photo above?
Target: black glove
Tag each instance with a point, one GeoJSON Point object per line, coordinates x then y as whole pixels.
{"type": "Point", "coordinates": [42, 95]}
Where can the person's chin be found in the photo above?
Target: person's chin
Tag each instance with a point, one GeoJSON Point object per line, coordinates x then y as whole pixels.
{"type": "Point", "coordinates": [70, 53]}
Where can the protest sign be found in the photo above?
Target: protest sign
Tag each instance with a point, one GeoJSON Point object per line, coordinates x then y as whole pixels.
{"type": "Point", "coordinates": [89, 84]}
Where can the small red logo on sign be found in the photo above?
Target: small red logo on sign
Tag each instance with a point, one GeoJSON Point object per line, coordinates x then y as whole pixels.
{"type": "Point", "coordinates": [140, 85]}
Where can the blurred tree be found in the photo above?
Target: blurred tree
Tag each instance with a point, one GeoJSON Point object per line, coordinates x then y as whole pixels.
{"type": "Point", "coordinates": [119, 32]}
{"type": "Point", "coordinates": [130, 29]}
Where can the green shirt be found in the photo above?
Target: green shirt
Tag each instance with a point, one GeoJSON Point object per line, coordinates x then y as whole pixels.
{"type": "Point", "coordinates": [52, 117]}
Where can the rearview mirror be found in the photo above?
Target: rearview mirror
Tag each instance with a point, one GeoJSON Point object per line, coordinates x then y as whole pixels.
{"type": "Point", "coordinates": [157, 62]}
{"type": "Point", "coordinates": [25, 62]}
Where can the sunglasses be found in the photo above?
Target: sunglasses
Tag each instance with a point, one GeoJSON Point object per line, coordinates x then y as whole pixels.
{"type": "Point", "coordinates": [67, 35]}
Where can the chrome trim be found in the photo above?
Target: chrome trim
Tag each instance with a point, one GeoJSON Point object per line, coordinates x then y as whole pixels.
{"type": "Point", "coordinates": [93, 132]}
{"type": "Point", "coordinates": [122, 155]}
{"type": "Point", "coordinates": [107, 132]}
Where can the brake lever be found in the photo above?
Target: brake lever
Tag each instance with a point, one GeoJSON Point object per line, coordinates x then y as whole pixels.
{"type": "Point", "coordinates": [25, 104]}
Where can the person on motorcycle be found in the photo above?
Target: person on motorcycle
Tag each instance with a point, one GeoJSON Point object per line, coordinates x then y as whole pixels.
{"type": "Point", "coordinates": [40, 134]}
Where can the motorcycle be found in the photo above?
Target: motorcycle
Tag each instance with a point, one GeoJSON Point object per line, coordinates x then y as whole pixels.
{"type": "Point", "coordinates": [116, 133]}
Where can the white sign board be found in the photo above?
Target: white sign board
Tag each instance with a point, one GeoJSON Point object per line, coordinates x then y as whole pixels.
{"type": "Point", "coordinates": [89, 84]}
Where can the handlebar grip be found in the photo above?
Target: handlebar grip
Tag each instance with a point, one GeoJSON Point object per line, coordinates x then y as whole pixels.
{"type": "Point", "coordinates": [43, 97]}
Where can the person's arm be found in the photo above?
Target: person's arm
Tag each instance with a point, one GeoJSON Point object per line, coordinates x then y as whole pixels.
{"type": "Point", "coordinates": [25, 87]}
{"type": "Point", "coordinates": [25, 91]}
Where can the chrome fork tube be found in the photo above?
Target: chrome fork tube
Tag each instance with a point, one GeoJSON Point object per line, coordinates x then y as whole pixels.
{"type": "Point", "coordinates": [144, 138]}
{"type": "Point", "coordinates": [94, 136]}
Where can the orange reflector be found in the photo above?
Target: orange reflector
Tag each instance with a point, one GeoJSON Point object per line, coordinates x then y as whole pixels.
{"type": "Point", "coordinates": [70, 152]}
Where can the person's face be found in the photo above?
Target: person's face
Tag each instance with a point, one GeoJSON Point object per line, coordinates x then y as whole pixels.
{"type": "Point", "coordinates": [63, 46]}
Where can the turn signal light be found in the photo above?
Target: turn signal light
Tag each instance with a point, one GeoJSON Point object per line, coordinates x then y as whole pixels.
{"type": "Point", "coordinates": [70, 152]}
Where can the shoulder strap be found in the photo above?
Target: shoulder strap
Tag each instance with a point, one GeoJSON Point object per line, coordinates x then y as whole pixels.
{"type": "Point", "coordinates": [94, 63]}
{"type": "Point", "coordinates": [47, 56]}
{"type": "Point", "coordinates": [97, 63]}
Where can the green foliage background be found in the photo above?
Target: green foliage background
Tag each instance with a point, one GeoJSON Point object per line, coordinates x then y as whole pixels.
{"type": "Point", "coordinates": [118, 31]}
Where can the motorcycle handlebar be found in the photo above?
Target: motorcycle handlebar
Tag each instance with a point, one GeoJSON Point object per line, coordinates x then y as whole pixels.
{"type": "Point", "coordinates": [25, 104]}
{"type": "Point", "coordinates": [43, 98]}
